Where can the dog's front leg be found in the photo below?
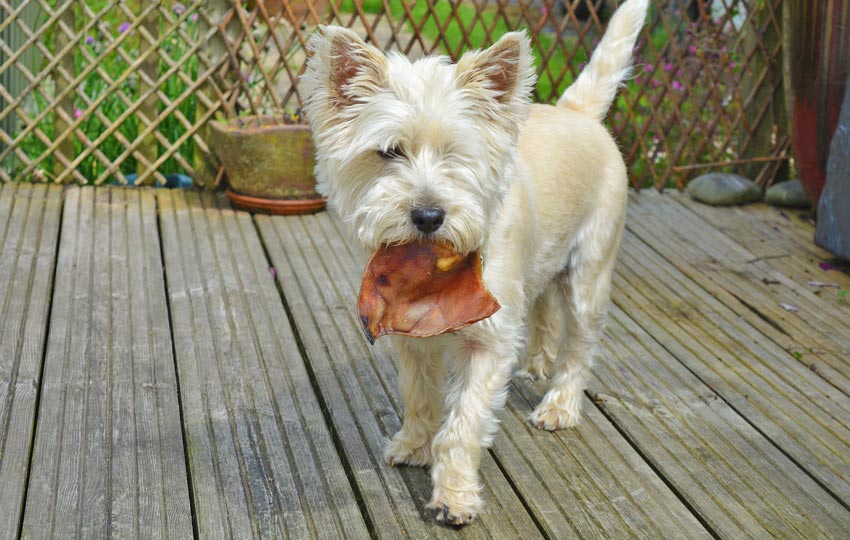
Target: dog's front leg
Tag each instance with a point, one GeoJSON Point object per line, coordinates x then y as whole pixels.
{"type": "Point", "coordinates": [476, 388]}
{"type": "Point", "coordinates": [420, 374]}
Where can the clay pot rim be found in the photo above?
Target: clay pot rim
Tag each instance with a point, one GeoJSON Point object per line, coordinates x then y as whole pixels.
{"type": "Point", "coordinates": [231, 126]}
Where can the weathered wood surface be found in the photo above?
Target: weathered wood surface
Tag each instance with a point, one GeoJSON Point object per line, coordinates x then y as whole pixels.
{"type": "Point", "coordinates": [262, 460]}
{"type": "Point", "coordinates": [108, 457]}
{"type": "Point", "coordinates": [713, 411]}
{"type": "Point", "coordinates": [582, 483]}
{"type": "Point", "coordinates": [29, 227]}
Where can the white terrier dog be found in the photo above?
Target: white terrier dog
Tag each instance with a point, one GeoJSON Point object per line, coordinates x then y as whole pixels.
{"type": "Point", "coordinates": [456, 153]}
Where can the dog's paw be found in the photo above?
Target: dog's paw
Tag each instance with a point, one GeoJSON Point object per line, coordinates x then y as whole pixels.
{"type": "Point", "coordinates": [456, 508]}
{"type": "Point", "coordinates": [551, 417]}
{"type": "Point", "coordinates": [533, 372]}
{"type": "Point", "coordinates": [401, 451]}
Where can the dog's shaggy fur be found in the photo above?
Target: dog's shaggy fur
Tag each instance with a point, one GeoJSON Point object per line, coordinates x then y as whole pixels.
{"type": "Point", "coordinates": [539, 190]}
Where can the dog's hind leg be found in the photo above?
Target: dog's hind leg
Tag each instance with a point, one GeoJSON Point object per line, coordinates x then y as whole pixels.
{"type": "Point", "coordinates": [545, 327]}
{"type": "Point", "coordinates": [584, 295]}
{"type": "Point", "coordinates": [420, 376]}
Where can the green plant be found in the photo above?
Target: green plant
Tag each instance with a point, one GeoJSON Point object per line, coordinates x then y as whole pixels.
{"type": "Point", "coordinates": [111, 103]}
{"type": "Point", "coordinates": [841, 294]}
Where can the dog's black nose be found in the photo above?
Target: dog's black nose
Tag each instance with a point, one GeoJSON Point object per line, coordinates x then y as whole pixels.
{"type": "Point", "coordinates": [427, 218]}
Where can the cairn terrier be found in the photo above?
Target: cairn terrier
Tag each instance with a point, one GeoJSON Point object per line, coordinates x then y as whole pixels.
{"type": "Point", "coordinates": [456, 153]}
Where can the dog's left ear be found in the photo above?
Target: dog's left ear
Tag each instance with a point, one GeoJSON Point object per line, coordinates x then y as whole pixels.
{"type": "Point", "coordinates": [503, 73]}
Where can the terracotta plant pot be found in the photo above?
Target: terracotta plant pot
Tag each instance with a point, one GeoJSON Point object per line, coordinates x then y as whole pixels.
{"type": "Point", "coordinates": [269, 164]}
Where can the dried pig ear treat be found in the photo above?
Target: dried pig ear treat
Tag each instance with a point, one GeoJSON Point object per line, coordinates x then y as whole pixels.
{"type": "Point", "coordinates": [422, 290]}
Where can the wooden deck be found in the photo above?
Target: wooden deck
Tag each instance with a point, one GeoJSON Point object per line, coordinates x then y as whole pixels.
{"type": "Point", "coordinates": [170, 368]}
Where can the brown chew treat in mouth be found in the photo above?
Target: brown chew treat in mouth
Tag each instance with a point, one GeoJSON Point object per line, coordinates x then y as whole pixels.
{"type": "Point", "coordinates": [422, 290]}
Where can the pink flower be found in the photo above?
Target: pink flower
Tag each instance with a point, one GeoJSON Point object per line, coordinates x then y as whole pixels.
{"type": "Point", "coordinates": [179, 8]}
{"type": "Point", "coordinates": [580, 66]}
{"type": "Point", "coordinates": [677, 85]}
{"type": "Point", "coordinates": [194, 17]}
{"type": "Point", "coordinates": [656, 83]}
{"type": "Point", "coordinates": [648, 68]}
{"type": "Point", "coordinates": [544, 10]}
{"type": "Point", "coordinates": [732, 64]}
{"type": "Point", "coordinates": [692, 49]}
{"type": "Point", "coordinates": [78, 113]}
{"type": "Point", "coordinates": [668, 66]}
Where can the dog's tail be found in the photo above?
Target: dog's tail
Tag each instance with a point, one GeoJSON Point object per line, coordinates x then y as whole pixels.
{"type": "Point", "coordinates": [594, 90]}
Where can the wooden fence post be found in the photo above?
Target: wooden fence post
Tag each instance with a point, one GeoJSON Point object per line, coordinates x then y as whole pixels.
{"type": "Point", "coordinates": [149, 109]}
{"type": "Point", "coordinates": [210, 54]}
{"type": "Point", "coordinates": [770, 135]}
{"type": "Point", "coordinates": [65, 107]}
{"type": "Point", "coordinates": [12, 79]}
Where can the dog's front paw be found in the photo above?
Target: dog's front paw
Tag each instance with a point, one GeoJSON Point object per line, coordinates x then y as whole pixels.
{"type": "Point", "coordinates": [552, 416]}
{"type": "Point", "coordinates": [532, 372]}
{"type": "Point", "coordinates": [401, 450]}
{"type": "Point", "coordinates": [456, 508]}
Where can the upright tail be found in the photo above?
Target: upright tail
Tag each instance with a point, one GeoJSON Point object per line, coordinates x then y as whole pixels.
{"type": "Point", "coordinates": [596, 86]}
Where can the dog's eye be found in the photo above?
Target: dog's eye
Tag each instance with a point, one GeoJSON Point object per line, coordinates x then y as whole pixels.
{"type": "Point", "coordinates": [390, 153]}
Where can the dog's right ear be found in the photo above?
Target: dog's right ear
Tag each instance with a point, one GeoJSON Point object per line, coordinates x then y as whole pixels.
{"type": "Point", "coordinates": [343, 70]}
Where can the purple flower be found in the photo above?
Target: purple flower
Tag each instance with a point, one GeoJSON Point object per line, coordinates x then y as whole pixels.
{"type": "Point", "coordinates": [78, 113]}
{"type": "Point", "coordinates": [668, 66]}
{"type": "Point", "coordinates": [89, 40]}
{"type": "Point", "coordinates": [544, 10]}
{"type": "Point", "coordinates": [692, 49]}
{"type": "Point", "coordinates": [656, 83]}
{"type": "Point", "coordinates": [732, 64]}
{"type": "Point", "coordinates": [179, 8]}
{"type": "Point", "coordinates": [677, 85]}
{"type": "Point", "coordinates": [124, 27]}
{"type": "Point", "coordinates": [648, 68]}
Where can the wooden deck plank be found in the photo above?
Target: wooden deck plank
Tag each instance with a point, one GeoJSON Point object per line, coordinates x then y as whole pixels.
{"type": "Point", "coordinates": [800, 413]}
{"type": "Point", "coordinates": [750, 286]}
{"type": "Point", "coordinates": [29, 228]}
{"type": "Point", "coordinates": [363, 409]}
{"type": "Point", "coordinates": [262, 460]}
{"type": "Point", "coordinates": [775, 235]}
{"type": "Point", "coordinates": [108, 454]}
{"type": "Point", "coordinates": [586, 483]}
{"type": "Point", "coordinates": [741, 485]}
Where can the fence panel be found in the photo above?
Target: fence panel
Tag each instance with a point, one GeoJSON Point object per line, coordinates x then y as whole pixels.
{"type": "Point", "coordinates": [121, 90]}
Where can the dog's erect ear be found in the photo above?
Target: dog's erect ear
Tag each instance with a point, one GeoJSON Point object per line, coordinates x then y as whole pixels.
{"type": "Point", "coordinates": [504, 72]}
{"type": "Point", "coordinates": [343, 68]}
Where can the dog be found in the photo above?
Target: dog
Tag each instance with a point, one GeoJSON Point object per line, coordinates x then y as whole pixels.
{"type": "Point", "coordinates": [456, 153]}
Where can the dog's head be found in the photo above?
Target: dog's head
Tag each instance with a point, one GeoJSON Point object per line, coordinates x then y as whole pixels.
{"type": "Point", "coordinates": [407, 151]}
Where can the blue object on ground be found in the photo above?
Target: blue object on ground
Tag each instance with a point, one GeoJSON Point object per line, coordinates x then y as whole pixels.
{"type": "Point", "coordinates": [174, 180]}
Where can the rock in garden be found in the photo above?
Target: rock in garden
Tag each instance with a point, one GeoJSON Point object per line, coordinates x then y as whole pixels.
{"type": "Point", "coordinates": [722, 189]}
{"type": "Point", "coordinates": [833, 229]}
{"type": "Point", "coordinates": [788, 194]}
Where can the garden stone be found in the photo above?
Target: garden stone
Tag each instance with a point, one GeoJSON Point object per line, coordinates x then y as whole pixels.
{"type": "Point", "coordinates": [722, 189]}
{"type": "Point", "coordinates": [788, 194]}
{"type": "Point", "coordinates": [833, 229]}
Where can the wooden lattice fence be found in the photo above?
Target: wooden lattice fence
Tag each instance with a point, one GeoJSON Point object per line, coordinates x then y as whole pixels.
{"type": "Point", "coordinates": [98, 91]}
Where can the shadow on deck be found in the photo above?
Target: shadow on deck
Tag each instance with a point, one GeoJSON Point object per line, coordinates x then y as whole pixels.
{"type": "Point", "coordinates": [170, 368]}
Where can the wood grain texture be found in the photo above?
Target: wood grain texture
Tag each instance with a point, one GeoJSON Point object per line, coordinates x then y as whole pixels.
{"type": "Point", "coordinates": [780, 240]}
{"type": "Point", "coordinates": [262, 460]}
{"type": "Point", "coordinates": [108, 458]}
{"type": "Point", "coordinates": [586, 482]}
{"type": "Point", "coordinates": [29, 228]}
